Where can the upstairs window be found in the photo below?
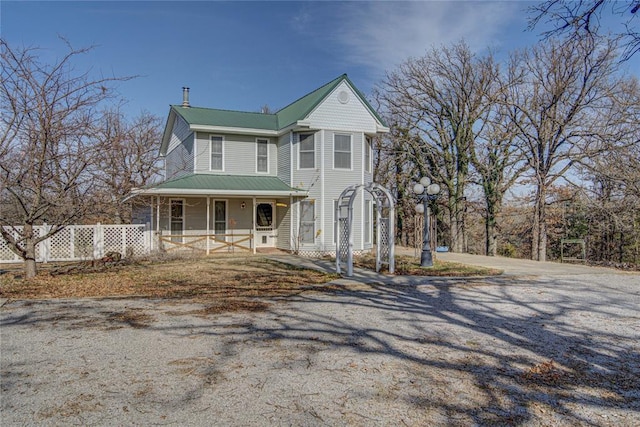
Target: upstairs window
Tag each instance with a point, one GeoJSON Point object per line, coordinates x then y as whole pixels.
{"type": "Point", "coordinates": [262, 155]}
{"type": "Point", "coordinates": [217, 153]}
{"type": "Point", "coordinates": [342, 151]}
{"type": "Point", "coordinates": [307, 158]}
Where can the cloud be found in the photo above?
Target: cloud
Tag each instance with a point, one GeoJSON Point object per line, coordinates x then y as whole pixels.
{"type": "Point", "coordinates": [381, 35]}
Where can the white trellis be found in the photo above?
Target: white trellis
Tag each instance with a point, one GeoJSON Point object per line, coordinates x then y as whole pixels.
{"type": "Point", "coordinates": [385, 227]}
{"type": "Point", "coordinates": [83, 242]}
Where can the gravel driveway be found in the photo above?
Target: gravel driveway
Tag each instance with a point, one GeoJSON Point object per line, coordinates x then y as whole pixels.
{"type": "Point", "coordinates": [513, 350]}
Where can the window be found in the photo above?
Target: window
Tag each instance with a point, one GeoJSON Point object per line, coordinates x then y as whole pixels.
{"type": "Point", "coordinates": [220, 218]}
{"type": "Point", "coordinates": [367, 154]}
{"type": "Point", "coordinates": [307, 221]}
{"type": "Point", "coordinates": [177, 219]}
{"type": "Point", "coordinates": [264, 215]}
{"type": "Point", "coordinates": [262, 153]}
{"type": "Point", "coordinates": [367, 221]}
{"type": "Point", "coordinates": [217, 153]}
{"type": "Point", "coordinates": [342, 151]}
{"type": "Point", "coordinates": [307, 151]}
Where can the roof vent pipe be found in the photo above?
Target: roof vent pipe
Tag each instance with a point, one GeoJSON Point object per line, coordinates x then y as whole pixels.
{"type": "Point", "coordinates": [185, 97]}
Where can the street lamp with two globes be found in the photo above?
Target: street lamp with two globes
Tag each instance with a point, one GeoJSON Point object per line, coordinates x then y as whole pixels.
{"type": "Point", "coordinates": [426, 191]}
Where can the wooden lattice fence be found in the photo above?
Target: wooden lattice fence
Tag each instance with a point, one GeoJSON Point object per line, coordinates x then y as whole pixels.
{"type": "Point", "coordinates": [83, 242]}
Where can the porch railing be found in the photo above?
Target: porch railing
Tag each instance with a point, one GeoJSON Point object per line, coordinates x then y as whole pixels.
{"type": "Point", "coordinates": [206, 243]}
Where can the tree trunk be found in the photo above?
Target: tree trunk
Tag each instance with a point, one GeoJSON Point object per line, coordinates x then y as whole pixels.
{"type": "Point", "coordinates": [30, 268]}
{"type": "Point", "coordinates": [494, 203]}
{"type": "Point", "coordinates": [539, 238]}
{"type": "Point", "coordinates": [491, 235]}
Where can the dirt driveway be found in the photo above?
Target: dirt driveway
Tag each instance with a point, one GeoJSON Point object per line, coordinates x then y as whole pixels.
{"type": "Point", "coordinates": [532, 350]}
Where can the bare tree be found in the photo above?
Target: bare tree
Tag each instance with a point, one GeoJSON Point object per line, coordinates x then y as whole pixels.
{"type": "Point", "coordinates": [129, 159]}
{"type": "Point", "coordinates": [562, 114]}
{"type": "Point", "coordinates": [581, 18]}
{"type": "Point", "coordinates": [442, 99]}
{"type": "Point", "coordinates": [47, 149]}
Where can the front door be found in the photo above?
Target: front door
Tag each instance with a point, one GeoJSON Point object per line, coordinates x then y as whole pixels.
{"type": "Point", "coordinates": [265, 229]}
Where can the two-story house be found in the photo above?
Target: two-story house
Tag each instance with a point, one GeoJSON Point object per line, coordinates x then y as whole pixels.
{"type": "Point", "coordinates": [266, 180]}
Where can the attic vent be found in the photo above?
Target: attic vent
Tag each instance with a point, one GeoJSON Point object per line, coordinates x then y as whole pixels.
{"type": "Point", "coordinates": [185, 97]}
{"type": "Point", "coordinates": [343, 96]}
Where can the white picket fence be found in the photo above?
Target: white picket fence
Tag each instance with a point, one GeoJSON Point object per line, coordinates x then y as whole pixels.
{"type": "Point", "coordinates": [84, 242]}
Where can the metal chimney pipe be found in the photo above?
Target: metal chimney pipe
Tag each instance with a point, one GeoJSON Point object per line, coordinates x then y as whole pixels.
{"type": "Point", "coordinates": [185, 97]}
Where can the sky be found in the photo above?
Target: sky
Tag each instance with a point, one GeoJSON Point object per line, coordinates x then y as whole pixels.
{"type": "Point", "coordinates": [244, 55]}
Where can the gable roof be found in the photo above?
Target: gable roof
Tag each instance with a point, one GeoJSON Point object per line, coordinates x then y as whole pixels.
{"type": "Point", "coordinates": [204, 184]}
{"type": "Point", "coordinates": [287, 116]}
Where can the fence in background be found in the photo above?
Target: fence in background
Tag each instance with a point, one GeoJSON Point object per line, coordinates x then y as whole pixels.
{"type": "Point", "coordinates": [85, 242]}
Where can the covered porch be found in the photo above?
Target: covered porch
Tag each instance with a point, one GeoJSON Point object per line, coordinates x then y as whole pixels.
{"type": "Point", "coordinates": [220, 213]}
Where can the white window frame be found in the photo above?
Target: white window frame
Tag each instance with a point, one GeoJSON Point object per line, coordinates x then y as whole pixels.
{"type": "Point", "coordinates": [368, 155]}
{"type": "Point", "coordinates": [184, 217]}
{"type": "Point", "coordinates": [258, 142]}
{"type": "Point", "coordinates": [313, 139]}
{"type": "Point", "coordinates": [211, 137]}
{"type": "Point", "coordinates": [312, 202]}
{"type": "Point", "coordinates": [226, 215]}
{"type": "Point", "coordinates": [350, 151]}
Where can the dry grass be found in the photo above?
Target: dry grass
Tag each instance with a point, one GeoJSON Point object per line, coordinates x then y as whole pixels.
{"type": "Point", "coordinates": [409, 266]}
{"type": "Point", "coordinates": [225, 283]}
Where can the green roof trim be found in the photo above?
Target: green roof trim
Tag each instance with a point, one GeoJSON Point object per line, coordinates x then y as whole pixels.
{"type": "Point", "coordinates": [287, 116]}
{"type": "Point", "coordinates": [226, 183]}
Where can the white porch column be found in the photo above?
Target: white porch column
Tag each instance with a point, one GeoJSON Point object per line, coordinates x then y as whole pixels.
{"type": "Point", "coordinates": [255, 238]}
{"type": "Point", "coordinates": [158, 223]}
{"type": "Point", "coordinates": [322, 204]}
{"type": "Point", "coordinates": [208, 221]}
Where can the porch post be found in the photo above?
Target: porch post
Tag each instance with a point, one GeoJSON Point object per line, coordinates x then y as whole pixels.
{"type": "Point", "coordinates": [158, 247]}
{"type": "Point", "coordinates": [254, 225]}
{"type": "Point", "coordinates": [208, 217]}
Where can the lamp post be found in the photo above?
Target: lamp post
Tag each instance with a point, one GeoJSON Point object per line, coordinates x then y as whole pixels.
{"type": "Point", "coordinates": [426, 191]}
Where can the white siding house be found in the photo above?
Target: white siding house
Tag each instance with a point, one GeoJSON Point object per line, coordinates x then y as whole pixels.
{"type": "Point", "coordinates": [271, 178]}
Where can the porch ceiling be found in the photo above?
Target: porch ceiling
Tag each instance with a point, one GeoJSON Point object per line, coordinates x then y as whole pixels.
{"type": "Point", "coordinates": [229, 185]}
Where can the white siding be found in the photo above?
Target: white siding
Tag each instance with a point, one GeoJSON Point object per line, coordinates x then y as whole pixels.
{"type": "Point", "coordinates": [239, 155]}
{"type": "Point", "coordinates": [336, 180]}
{"type": "Point", "coordinates": [179, 133]}
{"type": "Point", "coordinates": [179, 161]}
{"type": "Point", "coordinates": [352, 116]}
{"type": "Point", "coordinates": [283, 223]}
{"type": "Point", "coordinates": [284, 159]}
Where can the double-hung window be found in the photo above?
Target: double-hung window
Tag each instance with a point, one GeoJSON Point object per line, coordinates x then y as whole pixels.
{"type": "Point", "coordinates": [341, 151]}
{"type": "Point", "coordinates": [307, 221]}
{"type": "Point", "coordinates": [177, 219]}
{"type": "Point", "coordinates": [367, 221]}
{"type": "Point", "coordinates": [220, 219]}
{"type": "Point", "coordinates": [217, 153]}
{"type": "Point", "coordinates": [262, 155]}
{"type": "Point", "coordinates": [307, 150]}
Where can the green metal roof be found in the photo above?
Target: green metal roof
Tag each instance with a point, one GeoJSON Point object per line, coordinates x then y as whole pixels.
{"type": "Point", "coordinates": [213, 183]}
{"type": "Point", "coordinates": [297, 110]}
{"type": "Point", "coordinates": [240, 119]}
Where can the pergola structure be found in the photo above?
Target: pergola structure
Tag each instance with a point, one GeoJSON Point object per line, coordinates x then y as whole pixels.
{"type": "Point", "coordinates": [385, 227]}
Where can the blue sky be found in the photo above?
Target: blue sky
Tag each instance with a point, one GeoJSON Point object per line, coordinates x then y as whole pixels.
{"type": "Point", "coordinates": [243, 55]}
